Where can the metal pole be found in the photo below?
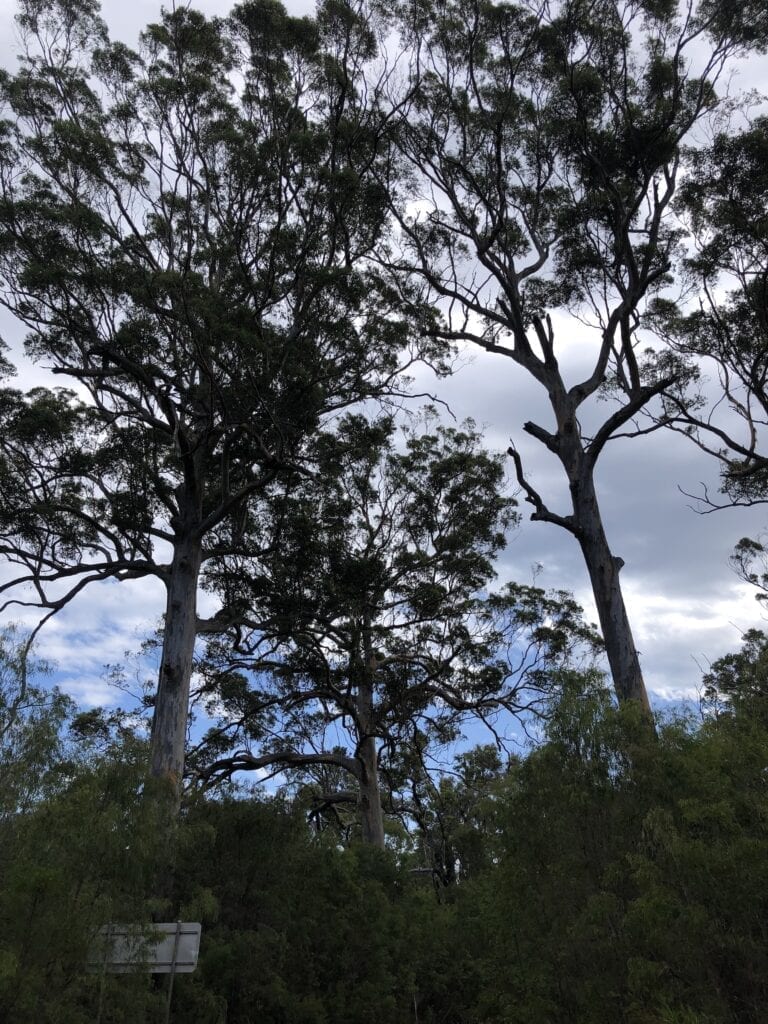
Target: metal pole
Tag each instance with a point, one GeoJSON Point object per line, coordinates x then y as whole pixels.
{"type": "Point", "coordinates": [173, 972]}
{"type": "Point", "coordinates": [103, 981]}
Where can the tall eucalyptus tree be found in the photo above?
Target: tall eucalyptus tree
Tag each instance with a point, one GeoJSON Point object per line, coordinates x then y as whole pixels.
{"type": "Point", "coordinates": [185, 232]}
{"type": "Point", "coordinates": [545, 142]}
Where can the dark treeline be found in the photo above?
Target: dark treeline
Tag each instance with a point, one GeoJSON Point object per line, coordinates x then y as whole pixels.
{"type": "Point", "coordinates": [610, 875]}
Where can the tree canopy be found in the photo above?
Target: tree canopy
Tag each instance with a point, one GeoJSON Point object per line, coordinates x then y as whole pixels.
{"type": "Point", "coordinates": [392, 783]}
{"type": "Point", "coordinates": [545, 143]}
{"type": "Point", "coordinates": [370, 633]}
{"type": "Point", "coordinates": [186, 232]}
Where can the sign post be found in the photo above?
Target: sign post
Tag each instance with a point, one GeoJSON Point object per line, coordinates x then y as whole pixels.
{"type": "Point", "coordinates": [167, 948]}
{"type": "Point", "coordinates": [172, 972]}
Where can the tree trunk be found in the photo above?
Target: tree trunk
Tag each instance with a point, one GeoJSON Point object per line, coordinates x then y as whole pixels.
{"type": "Point", "coordinates": [603, 569]}
{"type": "Point", "coordinates": [169, 724]}
{"type": "Point", "coordinates": [371, 814]}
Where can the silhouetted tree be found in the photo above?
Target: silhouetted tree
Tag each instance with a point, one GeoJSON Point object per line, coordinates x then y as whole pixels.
{"type": "Point", "coordinates": [185, 231]}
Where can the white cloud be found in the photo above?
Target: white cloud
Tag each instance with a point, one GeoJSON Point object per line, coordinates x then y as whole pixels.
{"type": "Point", "coordinates": [102, 624]}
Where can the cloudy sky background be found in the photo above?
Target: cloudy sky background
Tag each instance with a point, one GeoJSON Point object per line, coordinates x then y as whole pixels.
{"type": "Point", "coordinates": [686, 605]}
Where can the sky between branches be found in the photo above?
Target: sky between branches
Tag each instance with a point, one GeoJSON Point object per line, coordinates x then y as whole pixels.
{"type": "Point", "coordinates": [686, 605]}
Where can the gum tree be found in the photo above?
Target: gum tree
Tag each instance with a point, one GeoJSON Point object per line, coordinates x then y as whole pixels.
{"type": "Point", "coordinates": [545, 143]}
{"type": "Point", "coordinates": [184, 232]}
{"type": "Point", "coordinates": [373, 637]}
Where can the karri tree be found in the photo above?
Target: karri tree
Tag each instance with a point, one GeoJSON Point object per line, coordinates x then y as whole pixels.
{"type": "Point", "coordinates": [545, 144]}
{"type": "Point", "coordinates": [373, 636]}
{"type": "Point", "coordinates": [185, 233]}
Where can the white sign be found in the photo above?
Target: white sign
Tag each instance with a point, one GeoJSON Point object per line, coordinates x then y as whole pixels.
{"type": "Point", "coordinates": [168, 948]}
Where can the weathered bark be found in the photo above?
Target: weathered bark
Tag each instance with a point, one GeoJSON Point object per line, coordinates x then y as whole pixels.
{"type": "Point", "coordinates": [169, 724]}
{"type": "Point", "coordinates": [578, 459]}
{"type": "Point", "coordinates": [371, 814]}
{"type": "Point", "coordinates": [586, 524]}
{"type": "Point", "coordinates": [603, 568]}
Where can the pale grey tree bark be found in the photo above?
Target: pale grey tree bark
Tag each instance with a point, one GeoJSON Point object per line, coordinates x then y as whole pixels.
{"type": "Point", "coordinates": [169, 724]}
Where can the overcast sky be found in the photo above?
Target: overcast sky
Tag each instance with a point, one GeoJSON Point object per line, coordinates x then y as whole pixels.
{"type": "Point", "coordinates": [686, 605]}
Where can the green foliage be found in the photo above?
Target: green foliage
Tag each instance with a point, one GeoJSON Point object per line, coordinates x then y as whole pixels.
{"type": "Point", "coordinates": [456, 815]}
{"type": "Point", "coordinates": [737, 684]}
{"type": "Point", "coordinates": [545, 144]}
{"type": "Point", "coordinates": [193, 232]}
{"type": "Point", "coordinates": [303, 933]}
{"type": "Point", "coordinates": [746, 22]}
{"type": "Point", "coordinates": [31, 720]}
{"type": "Point", "coordinates": [372, 619]}
{"type": "Point", "coordinates": [632, 878]}
{"type": "Point", "coordinates": [186, 231]}
{"type": "Point", "coordinates": [77, 842]}
{"type": "Point", "coordinates": [725, 201]}
{"type": "Point", "coordinates": [612, 874]}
